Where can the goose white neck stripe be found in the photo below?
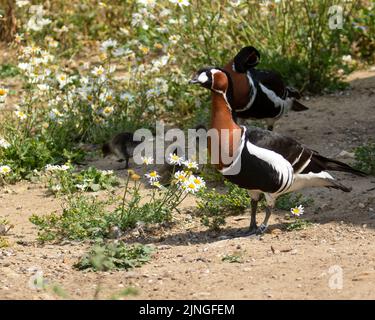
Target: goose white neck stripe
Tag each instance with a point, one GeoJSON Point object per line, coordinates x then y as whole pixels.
{"type": "Point", "coordinates": [253, 92]}
{"type": "Point", "coordinates": [237, 155]}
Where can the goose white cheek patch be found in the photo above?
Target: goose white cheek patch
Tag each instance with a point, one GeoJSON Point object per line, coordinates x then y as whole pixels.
{"type": "Point", "coordinates": [203, 77]}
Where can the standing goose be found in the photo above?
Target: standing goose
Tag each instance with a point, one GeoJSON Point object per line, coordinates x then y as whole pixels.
{"type": "Point", "coordinates": [264, 162]}
{"type": "Point", "coordinates": [257, 93]}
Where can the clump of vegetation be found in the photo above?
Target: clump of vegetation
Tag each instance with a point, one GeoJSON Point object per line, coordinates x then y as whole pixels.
{"type": "Point", "coordinates": [8, 70]}
{"type": "Point", "coordinates": [297, 222]}
{"type": "Point", "coordinates": [87, 217]}
{"type": "Point", "coordinates": [213, 206]}
{"type": "Point", "coordinates": [291, 200]}
{"type": "Point", "coordinates": [114, 255]}
{"type": "Point", "coordinates": [365, 158]}
{"type": "Point", "coordinates": [63, 180]}
{"type": "Point", "coordinates": [236, 257]}
{"type": "Point", "coordinates": [4, 243]}
{"type": "Point", "coordinates": [83, 217]}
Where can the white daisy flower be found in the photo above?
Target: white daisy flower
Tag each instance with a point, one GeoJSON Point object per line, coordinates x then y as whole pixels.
{"type": "Point", "coordinates": [43, 87]}
{"type": "Point", "coordinates": [198, 181]}
{"type": "Point", "coordinates": [22, 3]}
{"type": "Point", "coordinates": [181, 3]}
{"type": "Point", "coordinates": [156, 184]}
{"type": "Point", "coordinates": [107, 111]}
{"type": "Point", "coordinates": [4, 144]}
{"type": "Point", "coordinates": [50, 168]}
{"type": "Point", "coordinates": [147, 160]}
{"type": "Point", "coordinates": [190, 164]}
{"type": "Point", "coordinates": [181, 176]}
{"type": "Point", "coordinates": [63, 80]}
{"type": "Point", "coordinates": [107, 172]}
{"type": "Point", "coordinates": [175, 159]}
{"type": "Point", "coordinates": [20, 115]}
{"type": "Point", "coordinates": [3, 94]}
{"type": "Point", "coordinates": [153, 176]}
{"type": "Point", "coordinates": [297, 211]}
{"type": "Point", "coordinates": [81, 187]}
{"type": "Point", "coordinates": [4, 170]}
{"type": "Point", "coordinates": [126, 97]}
{"type": "Point", "coordinates": [147, 3]}
{"type": "Point", "coordinates": [190, 187]}
{"type": "Point", "coordinates": [56, 188]}
{"type": "Point", "coordinates": [98, 71]}
{"type": "Point", "coordinates": [108, 45]}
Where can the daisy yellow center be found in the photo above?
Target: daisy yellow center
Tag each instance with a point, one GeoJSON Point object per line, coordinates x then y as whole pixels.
{"type": "Point", "coordinates": [145, 50]}
{"type": "Point", "coordinates": [153, 174]}
{"type": "Point", "coordinates": [109, 98]}
{"type": "Point", "coordinates": [197, 181]}
{"type": "Point", "coordinates": [62, 78]}
{"type": "Point", "coordinates": [2, 92]}
{"type": "Point", "coordinates": [296, 211]}
{"type": "Point", "coordinates": [191, 186]}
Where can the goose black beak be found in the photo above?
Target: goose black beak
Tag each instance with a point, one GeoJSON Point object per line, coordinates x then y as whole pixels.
{"type": "Point", "coordinates": [194, 80]}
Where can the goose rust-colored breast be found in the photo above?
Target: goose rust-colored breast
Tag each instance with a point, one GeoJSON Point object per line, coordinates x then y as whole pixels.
{"type": "Point", "coordinates": [241, 89]}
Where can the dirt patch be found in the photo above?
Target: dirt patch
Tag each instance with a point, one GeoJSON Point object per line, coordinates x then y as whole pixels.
{"type": "Point", "coordinates": [187, 263]}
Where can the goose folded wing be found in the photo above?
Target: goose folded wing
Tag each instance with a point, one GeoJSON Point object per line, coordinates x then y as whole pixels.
{"type": "Point", "coordinates": [271, 80]}
{"type": "Point", "coordinates": [300, 157]}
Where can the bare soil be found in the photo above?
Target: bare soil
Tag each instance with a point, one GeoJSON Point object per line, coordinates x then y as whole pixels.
{"type": "Point", "coordinates": [187, 263]}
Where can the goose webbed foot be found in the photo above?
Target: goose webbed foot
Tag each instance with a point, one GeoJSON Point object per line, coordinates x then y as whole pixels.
{"type": "Point", "coordinates": [253, 230]}
{"type": "Point", "coordinates": [261, 229]}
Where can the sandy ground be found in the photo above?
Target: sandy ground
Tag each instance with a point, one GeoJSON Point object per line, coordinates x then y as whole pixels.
{"type": "Point", "coordinates": [332, 259]}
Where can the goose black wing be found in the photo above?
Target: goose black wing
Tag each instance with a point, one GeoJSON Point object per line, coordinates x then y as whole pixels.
{"type": "Point", "coordinates": [270, 79]}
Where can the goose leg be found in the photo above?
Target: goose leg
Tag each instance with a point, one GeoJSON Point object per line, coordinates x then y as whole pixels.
{"type": "Point", "coordinates": [253, 220]}
{"type": "Point", "coordinates": [264, 225]}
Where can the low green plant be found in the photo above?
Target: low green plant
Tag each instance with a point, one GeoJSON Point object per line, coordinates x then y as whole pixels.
{"type": "Point", "coordinates": [114, 255]}
{"type": "Point", "coordinates": [365, 158]}
{"type": "Point", "coordinates": [63, 180]}
{"type": "Point", "coordinates": [237, 257]}
{"type": "Point", "coordinates": [214, 206]}
{"type": "Point", "coordinates": [298, 224]}
{"type": "Point", "coordinates": [291, 200]}
{"type": "Point", "coordinates": [4, 243]}
{"type": "Point", "coordinates": [27, 153]}
{"type": "Point", "coordinates": [8, 70]}
{"type": "Point", "coordinates": [83, 217]}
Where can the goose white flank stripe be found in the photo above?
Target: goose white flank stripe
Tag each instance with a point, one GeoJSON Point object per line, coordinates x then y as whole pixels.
{"type": "Point", "coordinates": [264, 161]}
{"type": "Point", "coordinates": [278, 102]}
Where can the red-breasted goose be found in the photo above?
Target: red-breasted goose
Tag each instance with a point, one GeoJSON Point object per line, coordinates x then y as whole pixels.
{"type": "Point", "coordinates": [258, 93]}
{"type": "Point", "coordinates": [263, 161]}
